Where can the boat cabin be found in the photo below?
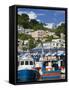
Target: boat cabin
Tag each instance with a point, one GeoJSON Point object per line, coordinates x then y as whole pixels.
{"type": "Point", "coordinates": [25, 63]}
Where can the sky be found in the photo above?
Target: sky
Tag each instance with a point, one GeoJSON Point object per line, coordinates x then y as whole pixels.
{"type": "Point", "coordinates": [55, 17]}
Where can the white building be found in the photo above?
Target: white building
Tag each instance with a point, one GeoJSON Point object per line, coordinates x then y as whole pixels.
{"type": "Point", "coordinates": [58, 40]}
{"type": "Point", "coordinates": [49, 33]}
{"type": "Point", "coordinates": [55, 43]}
{"type": "Point", "coordinates": [22, 44]}
{"type": "Point", "coordinates": [62, 36]}
{"type": "Point", "coordinates": [26, 31]}
{"type": "Point", "coordinates": [58, 43]}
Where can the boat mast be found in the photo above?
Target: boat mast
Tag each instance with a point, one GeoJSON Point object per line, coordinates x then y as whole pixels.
{"type": "Point", "coordinates": [42, 51]}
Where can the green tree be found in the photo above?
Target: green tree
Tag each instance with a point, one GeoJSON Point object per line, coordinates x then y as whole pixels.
{"type": "Point", "coordinates": [31, 40]}
{"type": "Point", "coordinates": [49, 38]}
{"type": "Point", "coordinates": [32, 43]}
{"type": "Point", "coordinates": [60, 29]}
{"type": "Point", "coordinates": [34, 24]}
{"type": "Point", "coordinates": [23, 20]}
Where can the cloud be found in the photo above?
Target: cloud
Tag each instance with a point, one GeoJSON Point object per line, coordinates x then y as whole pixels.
{"type": "Point", "coordinates": [49, 25]}
{"type": "Point", "coordinates": [32, 15]}
{"type": "Point", "coordinates": [59, 24]}
{"type": "Point", "coordinates": [22, 12]}
{"type": "Point", "coordinates": [38, 20]}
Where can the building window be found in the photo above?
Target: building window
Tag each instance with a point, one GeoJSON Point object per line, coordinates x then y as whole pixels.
{"type": "Point", "coordinates": [57, 44]}
{"type": "Point", "coordinates": [26, 62]}
{"type": "Point", "coordinates": [59, 40]}
{"type": "Point", "coordinates": [31, 63]}
{"type": "Point", "coordinates": [22, 62]}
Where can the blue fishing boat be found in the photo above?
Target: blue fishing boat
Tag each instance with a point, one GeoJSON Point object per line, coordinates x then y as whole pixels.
{"type": "Point", "coordinates": [26, 70]}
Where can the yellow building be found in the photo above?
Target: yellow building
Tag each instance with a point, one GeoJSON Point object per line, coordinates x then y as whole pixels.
{"type": "Point", "coordinates": [39, 34]}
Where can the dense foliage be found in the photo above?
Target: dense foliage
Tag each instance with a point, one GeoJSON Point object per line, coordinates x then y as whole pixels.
{"type": "Point", "coordinates": [60, 29]}
{"type": "Point", "coordinates": [25, 22]}
{"type": "Point", "coordinates": [31, 43]}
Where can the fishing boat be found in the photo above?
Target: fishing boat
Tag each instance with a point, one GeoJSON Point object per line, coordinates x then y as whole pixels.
{"type": "Point", "coordinates": [49, 70]}
{"type": "Point", "coordinates": [26, 70]}
{"type": "Point", "coordinates": [61, 61]}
